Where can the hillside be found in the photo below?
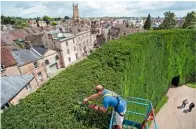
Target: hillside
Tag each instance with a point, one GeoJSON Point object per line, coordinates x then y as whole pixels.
{"type": "Point", "coordinates": [140, 65]}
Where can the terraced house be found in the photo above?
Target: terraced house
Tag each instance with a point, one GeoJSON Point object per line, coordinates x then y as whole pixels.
{"type": "Point", "coordinates": [51, 59]}
{"type": "Point", "coordinates": [29, 62]}
{"type": "Point", "coordinates": [8, 63]}
{"type": "Point", "coordinates": [72, 42]}
{"type": "Point", "coordinates": [14, 88]}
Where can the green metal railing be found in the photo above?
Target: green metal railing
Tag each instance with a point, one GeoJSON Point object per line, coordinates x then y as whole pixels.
{"type": "Point", "coordinates": [134, 100]}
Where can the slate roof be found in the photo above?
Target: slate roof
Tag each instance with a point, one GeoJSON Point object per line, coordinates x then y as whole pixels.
{"type": "Point", "coordinates": [25, 56]}
{"type": "Point", "coordinates": [12, 85]}
{"type": "Point", "coordinates": [78, 28]}
{"type": "Point", "coordinates": [6, 57]}
{"type": "Point", "coordinates": [40, 49]}
{"type": "Point", "coordinates": [100, 40]}
{"type": "Point", "coordinates": [48, 28]}
{"type": "Point", "coordinates": [114, 32]}
{"type": "Point", "coordinates": [120, 29]}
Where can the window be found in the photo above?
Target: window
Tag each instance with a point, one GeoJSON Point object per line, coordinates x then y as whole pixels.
{"type": "Point", "coordinates": [40, 76]}
{"type": "Point", "coordinates": [56, 57]}
{"type": "Point", "coordinates": [76, 55]}
{"type": "Point", "coordinates": [74, 48]}
{"type": "Point", "coordinates": [29, 88]}
{"type": "Point", "coordinates": [49, 36]}
{"type": "Point", "coordinates": [2, 67]}
{"type": "Point", "coordinates": [73, 41]}
{"type": "Point", "coordinates": [47, 62]}
{"type": "Point", "coordinates": [66, 43]}
{"type": "Point", "coordinates": [69, 59]}
{"type": "Point", "coordinates": [35, 64]}
{"type": "Point", "coordinates": [87, 40]}
{"type": "Point", "coordinates": [54, 42]}
{"type": "Point", "coordinates": [67, 51]}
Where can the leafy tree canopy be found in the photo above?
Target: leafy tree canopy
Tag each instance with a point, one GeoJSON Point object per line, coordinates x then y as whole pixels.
{"type": "Point", "coordinates": [47, 18]}
{"type": "Point", "coordinates": [54, 23]}
{"type": "Point", "coordinates": [190, 20]}
{"type": "Point", "coordinates": [66, 18]}
{"type": "Point", "coordinates": [169, 21]}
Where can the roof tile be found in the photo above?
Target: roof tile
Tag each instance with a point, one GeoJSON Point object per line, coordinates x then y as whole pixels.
{"type": "Point", "coordinates": [6, 57]}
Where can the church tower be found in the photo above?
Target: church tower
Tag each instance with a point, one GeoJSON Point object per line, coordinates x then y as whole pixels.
{"type": "Point", "coordinates": [75, 13]}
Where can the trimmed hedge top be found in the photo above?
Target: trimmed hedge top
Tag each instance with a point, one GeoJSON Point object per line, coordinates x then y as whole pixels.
{"type": "Point", "coordinates": [140, 65]}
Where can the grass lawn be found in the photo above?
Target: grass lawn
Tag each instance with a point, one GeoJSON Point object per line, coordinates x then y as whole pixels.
{"type": "Point", "coordinates": [192, 84]}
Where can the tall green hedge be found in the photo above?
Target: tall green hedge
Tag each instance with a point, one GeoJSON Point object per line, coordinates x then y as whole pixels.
{"type": "Point", "coordinates": [140, 65]}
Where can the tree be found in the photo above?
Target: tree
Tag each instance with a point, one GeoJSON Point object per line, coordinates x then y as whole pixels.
{"type": "Point", "coordinates": [37, 21]}
{"type": "Point", "coordinates": [190, 20]}
{"type": "Point", "coordinates": [47, 18]}
{"type": "Point", "coordinates": [57, 19]}
{"type": "Point", "coordinates": [66, 18]}
{"type": "Point", "coordinates": [54, 23]}
{"type": "Point", "coordinates": [20, 24]}
{"type": "Point", "coordinates": [169, 21]}
{"type": "Point", "coordinates": [148, 23]}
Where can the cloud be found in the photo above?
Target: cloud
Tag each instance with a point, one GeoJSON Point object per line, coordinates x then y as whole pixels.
{"type": "Point", "coordinates": [96, 8]}
{"type": "Point", "coordinates": [23, 5]}
{"type": "Point", "coordinates": [37, 8]}
{"type": "Point", "coordinates": [93, 4]}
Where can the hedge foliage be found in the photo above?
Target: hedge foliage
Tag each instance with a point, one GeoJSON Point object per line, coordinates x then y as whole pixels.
{"type": "Point", "coordinates": [140, 65]}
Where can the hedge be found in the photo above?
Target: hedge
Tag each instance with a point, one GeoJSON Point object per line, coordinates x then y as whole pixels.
{"type": "Point", "coordinates": [140, 65]}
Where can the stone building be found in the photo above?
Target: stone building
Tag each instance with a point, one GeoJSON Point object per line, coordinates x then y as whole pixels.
{"type": "Point", "coordinates": [72, 42]}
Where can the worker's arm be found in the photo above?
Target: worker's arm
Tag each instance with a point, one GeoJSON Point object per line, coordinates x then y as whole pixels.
{"type": "Point", "coordinates": [94, 96]}
{"type": "Point", "coordinates": [98, 108]}
{"type": "Point", "coordinates": [102, 109]}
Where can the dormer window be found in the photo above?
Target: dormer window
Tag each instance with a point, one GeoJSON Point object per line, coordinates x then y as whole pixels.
{"type": "Point", "coordinates": [47, 62]}
{"type": "Point", "coordinates": [35, 64]}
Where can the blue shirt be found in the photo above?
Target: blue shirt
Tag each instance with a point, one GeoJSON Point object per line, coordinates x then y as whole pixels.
{"type": "Point", "coordinates": [112, 101]}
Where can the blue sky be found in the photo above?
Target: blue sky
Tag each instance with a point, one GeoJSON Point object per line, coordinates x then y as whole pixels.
{"type": "Point", "coordinates": [96, 8]}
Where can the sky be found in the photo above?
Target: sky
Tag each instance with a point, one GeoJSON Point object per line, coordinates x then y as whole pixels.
{"type": "Point", "coordinates": [28, 9]}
